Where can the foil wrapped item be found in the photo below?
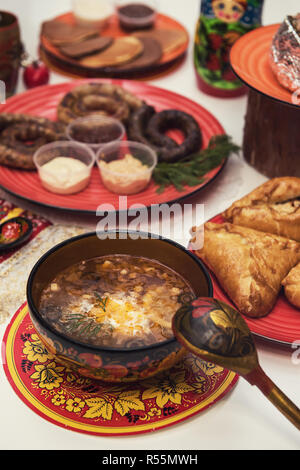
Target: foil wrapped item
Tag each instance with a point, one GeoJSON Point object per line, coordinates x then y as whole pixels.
{"type": "Point", "coordinates": [285, 53]}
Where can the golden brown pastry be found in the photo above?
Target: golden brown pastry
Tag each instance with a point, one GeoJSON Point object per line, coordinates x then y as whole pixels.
{"type": "Point", "coordinates": [87, 47]}
{"type": "Point", "coordinates": [60, 33]}
{"type": "Point", "coordinates": [249, 265]}
{"type": "Point", "coordinates": [169, 39]}
{"type": "Point", "coordinates": [273, 207]}
{"type": "Point", "coordinates": [291, 286]}
{"type": "Point", "coordinates": [122, 50]}
{"type": "Point", "coordinates": [151, 54]}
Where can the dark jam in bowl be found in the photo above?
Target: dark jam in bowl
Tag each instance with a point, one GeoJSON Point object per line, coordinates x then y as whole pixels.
{"type": "Point", "coordinates": [116, 301]}
{"type": "Point", "coordinates": [136, 10]}
{"type": "Point", "coordinates": [136, 16]}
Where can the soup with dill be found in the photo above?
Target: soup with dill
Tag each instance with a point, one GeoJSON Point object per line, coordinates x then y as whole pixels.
{"type": "Point", "coordinates": [118, 301]}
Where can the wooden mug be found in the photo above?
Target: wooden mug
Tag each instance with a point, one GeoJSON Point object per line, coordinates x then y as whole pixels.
{"type": "Point", "coordinates": [10, 51]}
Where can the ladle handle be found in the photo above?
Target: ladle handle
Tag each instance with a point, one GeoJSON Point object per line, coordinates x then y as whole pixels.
{"type": "Point", "coordinates": [275, 395]}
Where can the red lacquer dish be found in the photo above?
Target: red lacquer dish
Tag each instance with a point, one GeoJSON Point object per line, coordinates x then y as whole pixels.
{"type": "Point", "coordinates": [43, 101]}
{"type": "Point", "coordinates": [80, 404]}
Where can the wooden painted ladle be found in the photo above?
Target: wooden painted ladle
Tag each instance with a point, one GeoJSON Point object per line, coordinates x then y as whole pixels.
{"type": "Point", "coordinates": [217, 333]}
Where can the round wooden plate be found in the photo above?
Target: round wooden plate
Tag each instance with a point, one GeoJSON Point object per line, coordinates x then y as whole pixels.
{"type": "Point", "coordinates": [43, 101]}
{"type": "Point", "coordinates": [89, 406]}
{"type": "Point", "coordinates": [71, 66]}
{"type": "Point", "coordinates": [250, 60]}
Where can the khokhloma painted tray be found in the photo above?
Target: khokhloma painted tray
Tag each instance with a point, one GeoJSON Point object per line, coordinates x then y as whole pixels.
{"type": "Point", "coordinates": [84, 405]}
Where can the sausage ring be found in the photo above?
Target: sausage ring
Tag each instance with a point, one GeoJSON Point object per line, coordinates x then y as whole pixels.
{"type": "Point", "coordinates": [174, 119]}
{"type": "Point", "coordinates": [148, 127]}
{"type": "Point", "coordinates": [22, 135]}
{"type": "Point", "coordinates": [139, 122]}
{"type": "Point", "coordinates": [97, 98]}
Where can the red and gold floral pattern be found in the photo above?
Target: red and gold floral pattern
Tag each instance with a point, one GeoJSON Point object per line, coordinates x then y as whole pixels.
{"type": "Point", "coordinates": [67, 399]}
{"type": "Point", "coordinates": [9, 211]}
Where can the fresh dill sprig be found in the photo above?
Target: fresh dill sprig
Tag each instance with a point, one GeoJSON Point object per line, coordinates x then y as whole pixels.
{"type": "Point", "coordinates": [190, 171]}
{"type": "Point", "coordinates": [102, 303]}
{"type": "Point", "coordinates": [81, 324]}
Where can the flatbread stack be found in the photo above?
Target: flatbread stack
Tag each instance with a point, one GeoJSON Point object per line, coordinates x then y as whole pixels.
{"type": "Point", "coordinates": [86, 48]}
{"type": "Point", "coordinates": [152, 53]}
{"type": "Point", "coordinates": [62, 34]}
{"type": "Point", "coordinates": [132, 52]}
{"type": "Point", "coordinates": [122, 50]}
{"type": "Point", "coordinates": [169, 39]}
{"type": "Point", "coordinates": [256, 251]}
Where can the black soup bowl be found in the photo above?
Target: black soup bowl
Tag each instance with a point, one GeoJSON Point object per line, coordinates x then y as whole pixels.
{"type": "Point", "coordinates": [110, 364]}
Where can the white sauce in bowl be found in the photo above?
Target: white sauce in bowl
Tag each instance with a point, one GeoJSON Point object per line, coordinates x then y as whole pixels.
{"type": "Point", "coordinates": [64, 175]}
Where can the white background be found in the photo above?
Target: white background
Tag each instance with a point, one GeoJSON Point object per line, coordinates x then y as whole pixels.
{"type": "Point", "coordinates": [244, 419]}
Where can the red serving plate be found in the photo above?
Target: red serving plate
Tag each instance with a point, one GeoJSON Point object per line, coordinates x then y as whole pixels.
{"type": "Point", "coordinates": [71, 66]}
{"type": "Point", "coordinates": [43, 101]}
{"type": "Point", "coordinates": [250, 60]}
{"type": "Point", "coordinates": [282, 325]}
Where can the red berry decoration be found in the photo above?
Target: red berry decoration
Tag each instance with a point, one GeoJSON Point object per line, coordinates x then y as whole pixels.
{"type": "Point", "coordinates": [35, 74]}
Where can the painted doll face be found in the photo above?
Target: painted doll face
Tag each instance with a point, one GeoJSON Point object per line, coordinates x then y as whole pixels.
{"type": "Point", "coordinates": [228, 11]}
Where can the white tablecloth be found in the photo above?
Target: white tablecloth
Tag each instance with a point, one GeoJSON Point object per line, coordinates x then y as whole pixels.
{"type": "Point", "coordinates": [244, 419]}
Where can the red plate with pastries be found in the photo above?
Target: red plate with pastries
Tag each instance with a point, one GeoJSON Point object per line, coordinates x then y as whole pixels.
{"type": "Point", "coordinates": [67, 65]}
{"type": "Point", "coordinates": [43, 101]}
{"type": "Point", "coordinates": [250, 60]}
{"type": "Point", "coordinates": [282, 325]}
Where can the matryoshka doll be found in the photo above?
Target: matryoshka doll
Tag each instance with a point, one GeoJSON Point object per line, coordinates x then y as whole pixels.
{"type": "Point", "coordinates": [221, 23]}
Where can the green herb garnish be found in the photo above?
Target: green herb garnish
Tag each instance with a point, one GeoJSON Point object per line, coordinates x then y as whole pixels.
{"type": "Point", "coordinates": [81, 324]}
{"type": "Point", "coordinates": [191, 170]}
{"type": "Point", "coordinates": [101, 302]}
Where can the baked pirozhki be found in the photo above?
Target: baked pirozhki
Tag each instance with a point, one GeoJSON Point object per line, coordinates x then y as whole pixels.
{"type": "Point", "coordinates": [21, 135]}
{"type": "Point", "coordinates": [97, 98]}
{"type": "Point", "coordinates": [291, 284]}
{"type": "Point", "coordinates": [273, 207]}
{"type": "Point", "coordinates": [149, 127]}
{"type": "Point", "coordinates": [249, 265]}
